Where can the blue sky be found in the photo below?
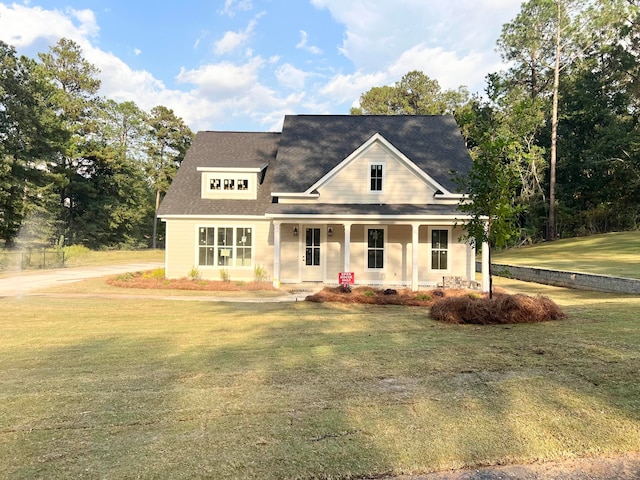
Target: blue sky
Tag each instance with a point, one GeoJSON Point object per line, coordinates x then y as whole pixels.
{"type": "Point", "coordinates": [244, 64]}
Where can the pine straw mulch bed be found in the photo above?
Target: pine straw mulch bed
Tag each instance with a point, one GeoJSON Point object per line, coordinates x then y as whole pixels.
{"type": "Point", "coordinates": [453, 305]}
{"type": "Point", "coordinates": [150, 281]}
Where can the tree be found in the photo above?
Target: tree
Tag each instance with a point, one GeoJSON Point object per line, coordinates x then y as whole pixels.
{"type": "Point", "coordinates": [76, 86]}
{"type": "Point", "coordinates": [491, 190]}
{"type": "Point", "coordinates": [168, 141]}
{"type": "Point", "coordinates": [30, 135]}
{"type": "Point", "coordinates": [414, 94]}
{"type": "Point", "coordinates": [547, 37]}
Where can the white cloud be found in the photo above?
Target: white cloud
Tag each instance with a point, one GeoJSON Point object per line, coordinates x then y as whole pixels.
{"type": "Point", "coordinates": [222, 80]}
{"type": "Point", "coordinates": [233, 40]}
{"type": "Point", "coordinates": [302, 44]}
{"type": "Point", "coordinates": [378, 33]}
{"type": "Point", "coordinates": [22, 26]}
{"type": "Point", "coordinates": [291, 77]}
{"type": "Point", "coordinates": [231, 7]}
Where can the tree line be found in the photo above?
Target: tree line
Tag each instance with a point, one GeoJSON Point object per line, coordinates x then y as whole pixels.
{"type": "Point", "coordinates": [555, 138]}
{"type": "Point", "coordinates": [76, 168]}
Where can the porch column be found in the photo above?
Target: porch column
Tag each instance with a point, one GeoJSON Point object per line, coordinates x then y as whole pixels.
{"type": "Point", "coordinates": [485, 267]}
{"type": "Point", "coordinates": [415, 229]}
{"type": "Point", "coordinates": [347, 247]}
{"type": "Point", "coordinates": [276, 254]}
{"type": "Point", "coordinates": [471, 262]}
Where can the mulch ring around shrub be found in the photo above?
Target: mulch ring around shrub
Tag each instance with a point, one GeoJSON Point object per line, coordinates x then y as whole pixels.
{"type": "Point", "coordinates": [456, 306]}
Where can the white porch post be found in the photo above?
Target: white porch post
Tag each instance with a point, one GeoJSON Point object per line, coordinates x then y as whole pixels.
{"type": "Point", "coordinates": [276, 254]}
{"type": "Point", "coordinates": [485, 267]}
{"type": "Point", "coordinates": [415, 229]}
{"type": "Point", "coordinates": [471, 262]}
{"type": "Point", "coordinates": [347, 247]}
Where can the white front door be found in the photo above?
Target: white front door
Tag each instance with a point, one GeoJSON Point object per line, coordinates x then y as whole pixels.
{"type": "Point", "coordinates": [312, 255]}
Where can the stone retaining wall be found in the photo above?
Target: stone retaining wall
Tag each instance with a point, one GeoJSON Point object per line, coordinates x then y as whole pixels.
{"type": "Point", "coordinates": [561, 278]}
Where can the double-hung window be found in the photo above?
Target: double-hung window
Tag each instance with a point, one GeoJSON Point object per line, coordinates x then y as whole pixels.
{"type": "Point", "coordinates": [375, 248]}
{"type": "Point", "coordinates": [376, 174]}
{"type": "Point", "coordinates": [439, 249]}
{"type": "Point", "coordinates": [225, 246]}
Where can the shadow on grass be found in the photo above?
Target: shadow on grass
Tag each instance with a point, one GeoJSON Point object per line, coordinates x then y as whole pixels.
{"type": "Point", "coordinates": [316, 391]}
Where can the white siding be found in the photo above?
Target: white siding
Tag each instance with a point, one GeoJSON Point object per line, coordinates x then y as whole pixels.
{"type": "Point", "coordinates": [352, 185]}
{"type": "Point", "coordinates": [182, 248]}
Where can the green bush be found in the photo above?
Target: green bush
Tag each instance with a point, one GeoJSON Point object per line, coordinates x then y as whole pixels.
{"type": "Point", "coordinates": [224, 275]}
{"type": "Point", "coordinates": [75, 251]}
{"type": "Point", "coordinates": [259, 273]}
{"type": "Point", "coordinates": [156, 274]}
{"type": "Point", "coordinates": [194, 274]}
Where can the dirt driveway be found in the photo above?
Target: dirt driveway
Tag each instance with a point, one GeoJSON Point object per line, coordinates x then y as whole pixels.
{"type": "Point", "coordinates": [13, 284]}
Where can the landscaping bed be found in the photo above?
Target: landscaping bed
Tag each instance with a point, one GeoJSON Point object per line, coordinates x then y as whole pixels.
{"type": "Point", "coordinates": [457, 306]}
{"type": "Point", "coordinates": [155, 279]}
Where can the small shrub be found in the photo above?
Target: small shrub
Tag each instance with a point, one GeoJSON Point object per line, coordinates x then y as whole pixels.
{"type": "Point", "coordinates": [75, 251]}
{"type": "Point", "coordinates": [369, 293]}
{"type": "Point", "coordinates": [474, 295]}
{"type": "Point", "coordinates": [259, 273]}
{"type": "Point", "coordinates": [155, 274]}
{"type": "Point", "coordinates": [125, 277]}
{"type": "Point", "coordinates": [423, 296]}
{"type": "Point", "coordinates": [240, 283]}
{"type": "Point", "coordinates": [224, 275]}
{"type": "Point", "coordinates": [194, 274]}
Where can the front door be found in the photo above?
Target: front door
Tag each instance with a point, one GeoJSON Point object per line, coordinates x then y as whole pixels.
{"type": "Point", "coordinates": [312, 259]}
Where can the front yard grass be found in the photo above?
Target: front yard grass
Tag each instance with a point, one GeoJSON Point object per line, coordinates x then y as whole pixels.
{"type": "Point", "coordinates": [615, 254]}
{"type": "Point", "coordinates": [143, 388]}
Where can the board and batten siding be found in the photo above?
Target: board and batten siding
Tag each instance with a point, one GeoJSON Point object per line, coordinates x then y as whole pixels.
{"type": "Point", "coordinates": [351, 185]}
{"type": "Point", "coordinates": [182, 248]}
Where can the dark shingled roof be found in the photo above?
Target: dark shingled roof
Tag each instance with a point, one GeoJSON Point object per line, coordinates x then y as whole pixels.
{"type": "Point", "coordinates": [222, 149]}
{"type": "Point", "coordinates": [312, 145]}
{"type": "Point", "coordinates": [307, 149]}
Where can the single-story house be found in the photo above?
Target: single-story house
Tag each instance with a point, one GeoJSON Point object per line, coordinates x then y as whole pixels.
{"type": "Point", "coordinates": [368, 196]}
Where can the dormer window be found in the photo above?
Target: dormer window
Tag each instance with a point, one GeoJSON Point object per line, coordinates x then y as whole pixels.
{"type": "Point", "coordinates": [229, 184]}
{"type": "Point", "coordinates": [376, 174]}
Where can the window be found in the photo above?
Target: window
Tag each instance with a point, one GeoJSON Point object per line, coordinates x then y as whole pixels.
{"type": "Point", "coordinates": [243, 249]}
{"type": "Point", "coordinates": [243, 184]}
{"type": "Point", "coordinates": [206, 254]}
{"type": "Point", "coordinates": [375, 248]}
{"type": "Point", "coordinates": [225, 246]}
{"type": "Point", "coordinates": [229, 184]}
{"type": "Point", "coordinates": [439, 249]}
{"type": "Point", "coordinates": [375, 176]}
{"type": "Point", "coordinates": [214, 184]}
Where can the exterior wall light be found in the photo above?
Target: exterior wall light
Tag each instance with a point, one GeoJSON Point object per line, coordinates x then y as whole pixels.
{"type": "Point", "coordinates": [295, 231]}
{"type": "Point", "coordinates": [330, 231]}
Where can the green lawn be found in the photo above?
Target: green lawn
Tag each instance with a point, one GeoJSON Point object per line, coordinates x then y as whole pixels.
{"type": "Point", "coordinates": [145, 388]}
{"type": "Point", "coordinates": [608, 254]}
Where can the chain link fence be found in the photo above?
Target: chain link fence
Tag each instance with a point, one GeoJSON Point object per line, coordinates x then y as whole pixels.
{"type": "Point", "coordinates": [31, 259]}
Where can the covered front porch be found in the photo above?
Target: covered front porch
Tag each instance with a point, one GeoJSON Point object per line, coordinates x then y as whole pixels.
{"type": "Point", "coordinates": [415, 253]}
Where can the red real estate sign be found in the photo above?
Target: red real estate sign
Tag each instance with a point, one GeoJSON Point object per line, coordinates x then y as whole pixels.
{"type": "Point", "coordinates": [346, 278]}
